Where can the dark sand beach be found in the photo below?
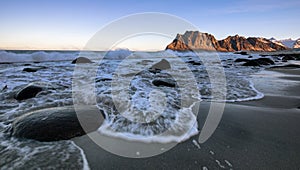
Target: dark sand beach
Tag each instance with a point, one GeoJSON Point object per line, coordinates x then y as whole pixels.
{"type": "Point", "coordinates": [260, 134]}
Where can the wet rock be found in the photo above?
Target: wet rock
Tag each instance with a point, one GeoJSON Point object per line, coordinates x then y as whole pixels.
{"type": "Point", "coordinates": [241, 60]}
{"type": "Point", "coordinates": [287, 58]}
{"type": "Point", "coordinates": [241, 52]}
{"type": "Point", "coordinates": [27, 92]}
{"type": "Point", "coordinates": [103, 79]}
{"type": "Point", "coordinates": [250, 56]}
{"type": "Point", "coordinates": [265, 61]}
{"type": "Point", "coordinates": [59, 123]}
{"type": "Point", "coordinates": [4, 88]}
{"type": "Point", "coordinates": [195, 63]}
{"type": "Point", "coordinates": [251, 63]}
{"type": "Point", "coordinates": [259, 62]}
{"type": "Point", "coordinates": [81, 60]}
{"type": "Point", "coordinates": [32, 69]}
{"type": "Point", "coordinates": [162, 65]}
{"type": "Point", "coordinates": [164, 82]}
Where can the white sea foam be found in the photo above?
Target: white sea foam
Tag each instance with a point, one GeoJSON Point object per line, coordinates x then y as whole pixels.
{"type": "Point", "coordinates": [38, 56]}
{"type": "Point", "coordinates": [196, 144]}
{"type": "Point", "coordinates": [85, 162]}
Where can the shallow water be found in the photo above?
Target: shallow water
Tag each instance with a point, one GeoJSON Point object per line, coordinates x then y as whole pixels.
{"type": "Point", "coordinates": [135, 108]}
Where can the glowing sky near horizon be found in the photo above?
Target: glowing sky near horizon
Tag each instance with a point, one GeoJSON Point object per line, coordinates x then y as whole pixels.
{"type": "Point", "coordinates": [35, 24]}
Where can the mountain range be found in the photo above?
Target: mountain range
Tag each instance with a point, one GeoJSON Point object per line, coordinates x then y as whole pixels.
{"type": "Point", "coordinates": [195, 40]}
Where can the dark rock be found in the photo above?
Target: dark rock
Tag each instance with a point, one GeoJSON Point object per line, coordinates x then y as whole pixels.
{"type": "Point", "coordinates": [241, 52]}
{"type": "Point", "coordinates": [195, 63]}
{"type": "Point", "coordinates": [288, 57]}
{"type": "Point", "coordinates": [251, 63]}
{"type": "Point", "coordinates": [81, 60]}
{"type": "Point", "coordinates": [4, 88]}
{"type": "Point", "coordinates": [27, 92]}
{"type": "Point", "coordinates": [250, 56]}
{"type": "Point", "coordinates": [164, 82]}
{"type": "Point", "coordinates": [265, 61]}
{"type": "Point", "coordinates": [162, 65]}
{"type": "Point", "coordinates": [32, 69]}
{"type": "Point", "coordinates": [27, 64]}
{"type": "Point", "coordinates": [259, 61]}
{"type": "Point", "coordinates": [154, 71]}
{"type": "Point", "coordinates": [59, 123]}
{"type": "Point", "coordinates": [241, 60]}
{"type": "Point", "coordinates": [103, 79]}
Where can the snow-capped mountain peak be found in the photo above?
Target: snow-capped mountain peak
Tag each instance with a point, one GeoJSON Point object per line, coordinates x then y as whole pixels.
{"type": "Point", "coordinates": [290, 43]}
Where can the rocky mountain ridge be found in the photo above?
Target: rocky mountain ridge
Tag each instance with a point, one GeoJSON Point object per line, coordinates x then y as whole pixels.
{"type": "Point", "coordinates": [195, 40]}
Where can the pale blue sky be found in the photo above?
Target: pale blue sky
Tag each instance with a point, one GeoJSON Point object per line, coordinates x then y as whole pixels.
{"type": "Point", "coordinates": [59, 24]}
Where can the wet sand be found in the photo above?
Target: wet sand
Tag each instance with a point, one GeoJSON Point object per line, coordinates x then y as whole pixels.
{"type": "Point", "coordinates": [260, 134]}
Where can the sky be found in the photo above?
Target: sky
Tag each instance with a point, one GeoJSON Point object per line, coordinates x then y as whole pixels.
{"type": "Point", "coordinates": [58, 24]}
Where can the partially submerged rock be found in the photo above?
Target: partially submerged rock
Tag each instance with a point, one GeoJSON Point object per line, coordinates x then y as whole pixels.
{"type": "Point", "coordinates": [288, 57]}
{"type": "Point", "coordinates": [251, 63]}
{"type": "Point", "coordinates": [4, 87]}
{"type": "Point", "coordinates": [28, 92]}
{"type": "Point", "coordinates": [32, 69]}
{"type": "Point", "coordinates": [259, 62]}
{"type": "Point", "coordinates": [58, 123]}
{"type": "Point", "coordinates": [162, 65]}
{"type": "Point", "coordinates": [241, 60]}
{"type": "Point", "coordinates": [81, 60]}
{"type": "Point", "coordinates": [164, 82]}
{"type": "Point", "coordinates": [195, 63]}
{"type": "Point", "coordinates": [241, 52]}
{"type": "Point", "coordinates": [265, 61]}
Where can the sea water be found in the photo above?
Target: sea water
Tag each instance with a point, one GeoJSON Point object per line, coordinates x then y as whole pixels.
{"type": "Point", "coordinates": [151, 110]}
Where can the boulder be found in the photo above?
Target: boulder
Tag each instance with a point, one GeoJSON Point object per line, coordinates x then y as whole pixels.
{"type": "Point", "coordinates": [162, 65]}
{"type": "Point", "coordinates": [195, 63]}
{"type": "Point", "coordinates": [4, 87]}
{"type": "Point", "coordinates": [241, 60]}
{"type": "Point", "coordinates": [81, 60]}
{"type": "Point", "coordinates": [251, 63]}
{"type": "Point", "coordinates": [32, 69]}
{"type": "Point", "coordinates": [241, 52]}
{"type": "Point", "coordinates": [58, 123]}
{"type": "Point", "coordinates": [265, 61]}
{"type": "Point", "coordinates": [287, 58]}
{"type": "Point", "coordinates": [28, 91]}
{"type": "Point", "coordinates": [259, 62]}
{"type": "Point", "coordinates": [164, 82]}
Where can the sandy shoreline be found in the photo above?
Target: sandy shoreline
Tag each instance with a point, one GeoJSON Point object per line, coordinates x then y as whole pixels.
{"type": "Point", "coordinates": [261, 134]}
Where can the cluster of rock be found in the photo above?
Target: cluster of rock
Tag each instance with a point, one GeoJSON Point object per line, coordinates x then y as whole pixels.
{"type": "Point", "coordinates": [195, 40]}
